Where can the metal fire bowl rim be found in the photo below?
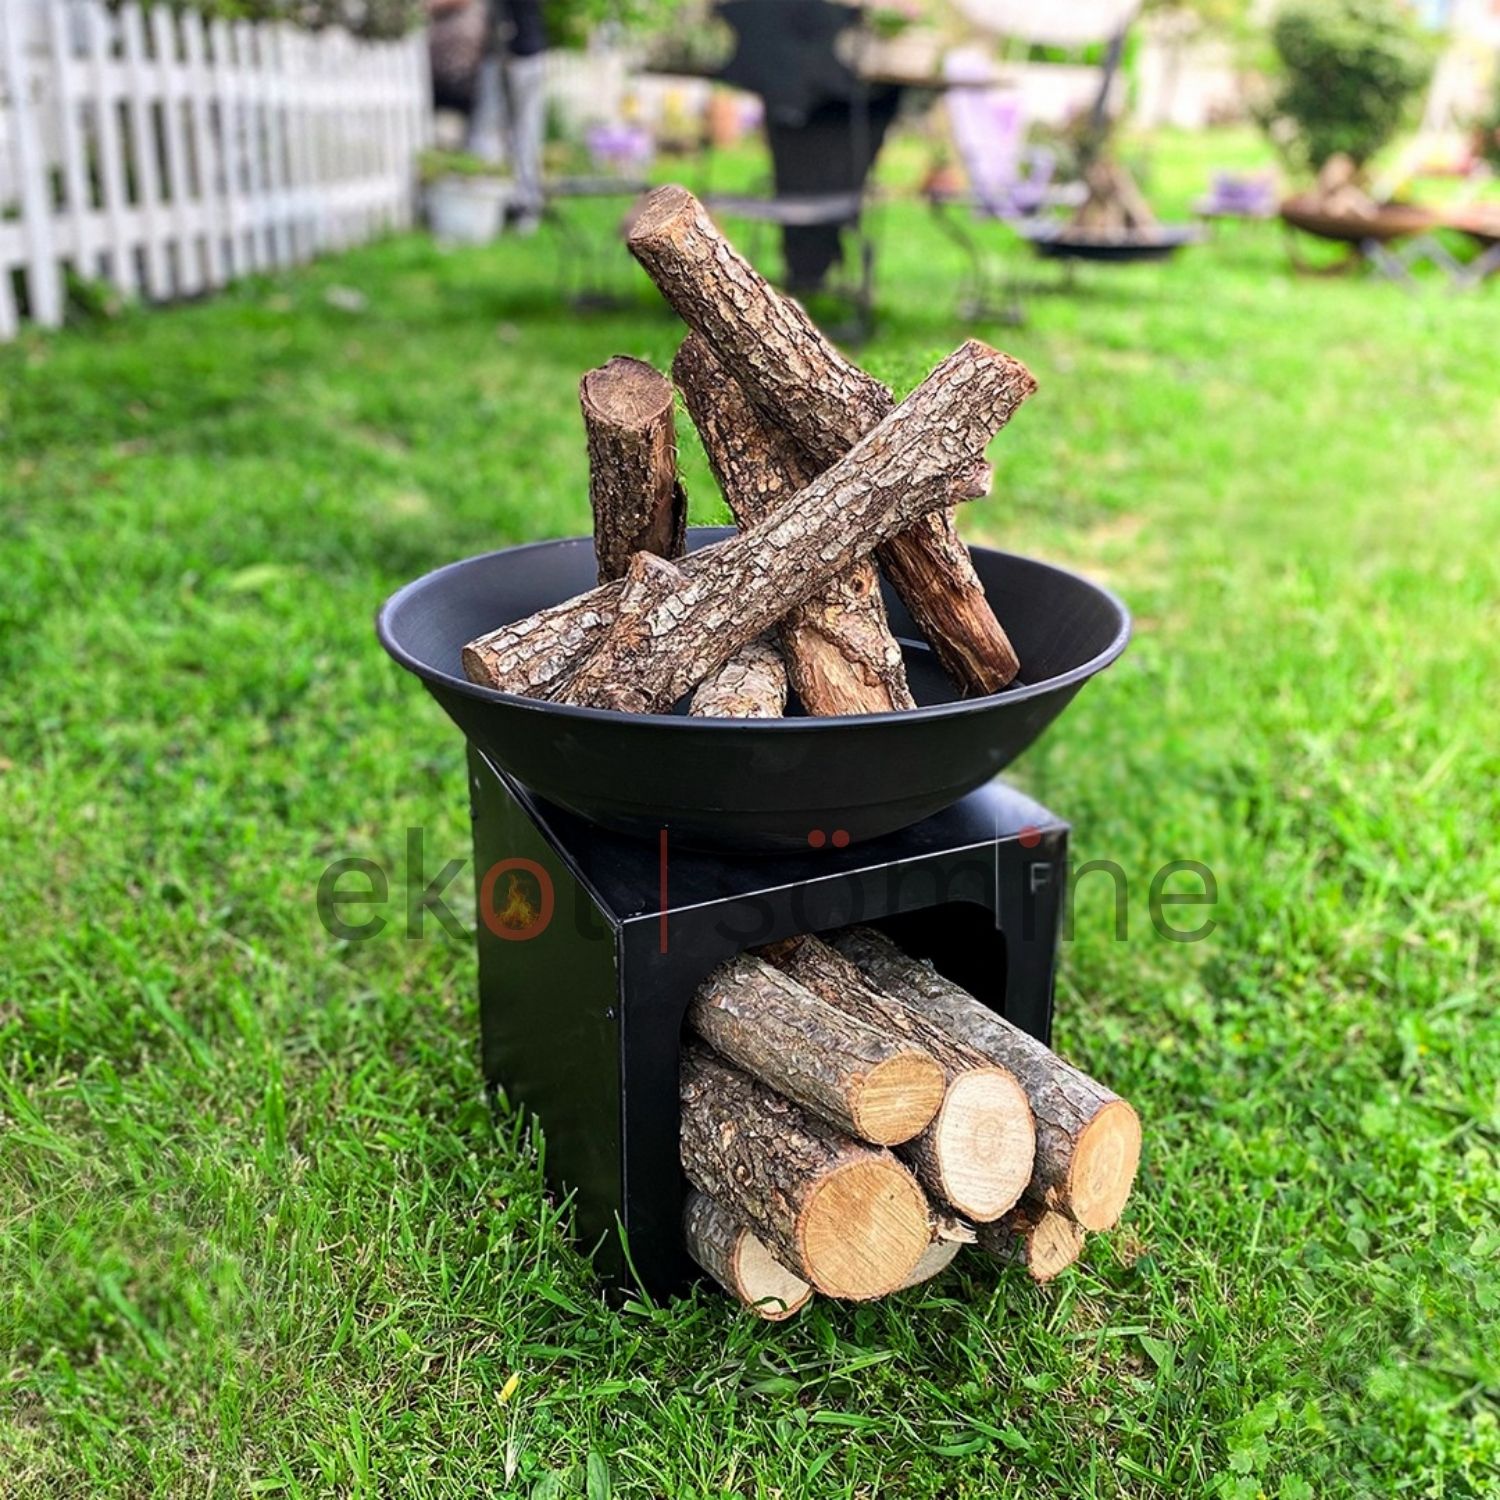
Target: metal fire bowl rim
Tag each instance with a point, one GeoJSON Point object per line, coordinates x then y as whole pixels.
{"type": "Point", "coordinates": [1049, 235]}
{"type": "Point", "coordinates": [1390, 221]}
{"type": "Point", "coordinates": [688, 725]}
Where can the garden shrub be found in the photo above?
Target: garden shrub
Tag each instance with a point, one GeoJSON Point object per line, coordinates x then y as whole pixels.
{"type": "Point", "coordinates": [1352, 69]}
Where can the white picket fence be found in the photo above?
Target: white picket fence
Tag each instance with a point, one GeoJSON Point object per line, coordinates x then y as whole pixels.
{"type": "Point", "coordinates": [167, 155]}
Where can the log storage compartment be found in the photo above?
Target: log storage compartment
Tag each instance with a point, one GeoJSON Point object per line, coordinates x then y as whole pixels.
{"type": "Point", "coordinates": [593, 947]}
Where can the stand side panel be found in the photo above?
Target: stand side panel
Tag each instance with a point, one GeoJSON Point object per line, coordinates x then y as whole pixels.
{"type": "Point", "coordinates": [549, 1014]}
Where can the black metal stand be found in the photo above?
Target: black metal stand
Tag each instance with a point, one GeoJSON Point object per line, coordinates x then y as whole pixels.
{"type": "Point", "coordinates": [591, 945]}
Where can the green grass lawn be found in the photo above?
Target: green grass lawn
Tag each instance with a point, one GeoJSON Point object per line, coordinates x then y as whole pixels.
{"type": "Point", "coordinates": [260, 1231]}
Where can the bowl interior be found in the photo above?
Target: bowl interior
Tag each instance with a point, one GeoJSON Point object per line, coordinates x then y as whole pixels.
{"type": "Point", "coordinates": [1061, 625]}
{"type": "Point", "coordinates": [763, 783]}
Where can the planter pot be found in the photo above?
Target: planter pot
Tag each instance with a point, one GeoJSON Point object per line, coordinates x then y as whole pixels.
{"type": "Point", "coordinates": [467, 210]}
{"type": "Point", "coordinates": [726, 120]}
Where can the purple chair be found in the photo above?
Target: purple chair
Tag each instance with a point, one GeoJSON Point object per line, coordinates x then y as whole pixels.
{"type": "Point", "coordinates": [620, 148]}
{"type": "Point", "coordinates": [1239, 195]}
{"type": "Point", "coordinates": [1008, 180]}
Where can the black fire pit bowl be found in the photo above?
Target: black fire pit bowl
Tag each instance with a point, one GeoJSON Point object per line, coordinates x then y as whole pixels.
{"type": "Point", "coordinates": [1061, 242]}
{"type": "Point", "coordinates": [753, 784]}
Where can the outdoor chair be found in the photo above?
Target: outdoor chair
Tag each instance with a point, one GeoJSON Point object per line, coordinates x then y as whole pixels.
{"type": "Point", "coordinates": [1239, 196]}
{"type": "Point", "coordinates": [621, 152]}
{"type": "Point", "coordinates": [823, 133]}
{"type": "Point", "coordinates": [1009, 181]}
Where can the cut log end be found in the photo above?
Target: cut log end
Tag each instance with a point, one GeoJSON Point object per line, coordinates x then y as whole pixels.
{"type": "Point", "coordinates": [984, 1140]}
{"type": "Point", "coordinates": [863, 1229]}
{"type": "Point", "coordinates": [1104, 1165]}
{"type": "Point", "coordinates": [476, 665]}
{"type": "Point", "coordinates": [766, 1286]}
{"type": "Point", "coordinates": [1041, 1240]}
{"type": "Point", "coordinates": [936, 1258]}
{"type": "Point", "coordinates": [739, 1261]}
{"type": "Point", "coordinates": [660, 208]}
{"type": "Point", "coordinates": [896, 1099]}
{"type": "Point", "coordinates": [626, 391]}
{"type": "Point", "coordinates": [1056, 1243]}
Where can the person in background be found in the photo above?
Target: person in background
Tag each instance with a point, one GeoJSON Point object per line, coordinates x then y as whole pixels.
{"type": "Point", "coordinates": [488, 63]}
{"type": "Point", "coordinates": [456, 35]}
{"type": "Point", "coordinates": [511, 100]}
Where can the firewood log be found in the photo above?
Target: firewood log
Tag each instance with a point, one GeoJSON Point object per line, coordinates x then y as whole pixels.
{"type": "Point", "coordinates": [949, 1235]}
{"type": "Point", "coordinates": [875, 1086]}
{"type": "Point", "coordinates": [977, 1154]}
{"type": "Point", "coordinates": [1041, 1240]}
{"type": "Point", "coordinates": [803, 384]}
{"type": "Point", "coordinates": [649, 581]}
{"type": "Point", "coordinates": [738, 1260]}
{"type": "Point", "coordinates": [839, 648]}
{"type": "Point", "coordinates": [752, 684]}
{"type": "Point", "coordinates": [936, 1258]}
{"type": "Point", "coordinates": [1088, 1140]}
{"type": "Point", "coordinates": [534, 655]}
{"type": "Point", "coordinates": [847, 1217]}
{"type": "Point", "coordinates": [1114, 204]}
{"type": "Point", "coordinates": [638, 503]}
{"type": "Point", "coordinates": [925, 455]}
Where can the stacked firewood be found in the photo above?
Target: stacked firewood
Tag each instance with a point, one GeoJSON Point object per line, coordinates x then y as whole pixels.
{"type": "Point", "coordinates": [1340, 190]}
{"type": "Point", "coordinates": [851, 1119]}
{"type": "Point", "coordinates": [825, 473]}
{"type": "Point", "coordinates": [1115, 206]}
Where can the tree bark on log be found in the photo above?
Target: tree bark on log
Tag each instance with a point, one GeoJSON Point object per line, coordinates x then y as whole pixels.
{"type": "Point", "coordinates": [977, 1154]}
{"type": "Point", "coordinates": [535, 655]}
{"type": "Point", "coordinates": [1088, 1139]}
{"type": "Point", "coordinates": [874, 1086]}
{"type": "Point", "coordinates": [839, 648]}
{"type": "Point", "coordinates": [846, 1217]}
{"type": "Point", "coordinates": [738, 1260]}
{"type": "Point", "coordinates": [803, 384]}
{"type": "Point", "coordinates": [1042, 1241]}
{"type": "Point", "coordinates": [926, 454]}
{"type": "Point", "coordinates": [752, 684]}
{"type": "Point", "coordinates": [649, 582]}
{"type": "Point", "coordinates": [638, 504]}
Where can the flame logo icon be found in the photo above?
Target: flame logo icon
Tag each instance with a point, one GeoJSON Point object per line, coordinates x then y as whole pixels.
{"type": "Point", "coordinates": [528, 900]}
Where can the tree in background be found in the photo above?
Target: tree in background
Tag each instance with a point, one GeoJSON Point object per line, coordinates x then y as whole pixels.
{"type": "Point", "coordinates": [1351, 70]}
